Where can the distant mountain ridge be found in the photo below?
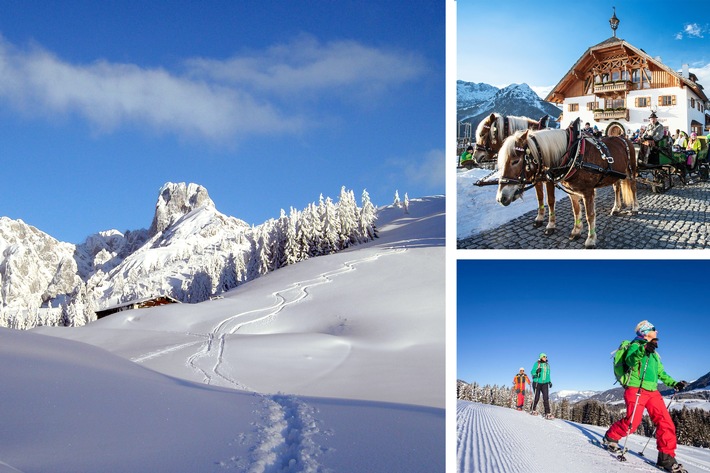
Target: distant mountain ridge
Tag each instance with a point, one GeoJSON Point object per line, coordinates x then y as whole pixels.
{"type": "Point", "coordinates": [474, 101]}
{"type": "Point", "coordinates": [190, 252]}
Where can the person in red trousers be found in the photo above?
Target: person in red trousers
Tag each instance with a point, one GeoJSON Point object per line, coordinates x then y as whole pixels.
{"type": "Point", "coordinates": [519, 381]}
{"type": "Point", "coordinates": [641, 392]}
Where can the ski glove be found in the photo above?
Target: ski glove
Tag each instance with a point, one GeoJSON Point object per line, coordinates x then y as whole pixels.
{"type": "Point", "coordinates": [651, 346]}
{"type": "Point", "coordinates": [537, 372]}
{"type": "Point", "coordinates": [680, 385]}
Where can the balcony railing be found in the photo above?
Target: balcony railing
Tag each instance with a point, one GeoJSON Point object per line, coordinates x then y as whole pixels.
{"type": "Point", "coordinates": [618, 114]}
{"type": "Point", "coordinates": [613, 87]}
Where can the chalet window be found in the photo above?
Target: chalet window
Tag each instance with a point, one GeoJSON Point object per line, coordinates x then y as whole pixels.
{"type": "Point", "coordinates": [592, 105]}
{"type": "Point", "coordinates": [573, 107]}
{"type": "Point", "coordinates": [636, 76]}
{"type": "Point", "coordinates": [642, 102]}
{"type": "Point", "coordinates": [692, 103]}
{"type": "Point", "coordinates": [615, 75]}
{"type": "Point", "coordinates": [614, 103]}
{"type": "Point", "coordinates": [666, 100]}
{"type": "Point", "coordinates": [624, 75]}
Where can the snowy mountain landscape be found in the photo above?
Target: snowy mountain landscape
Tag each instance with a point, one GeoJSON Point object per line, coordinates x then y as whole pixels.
{"type": "Point", "coordinates": [497, 439]}
{"type": "Point", "coordinates": [331, 364]}
{"type": "Point", "coordinates": [475, 101]}
{"type": "Point", "coordinates": [190, 253]}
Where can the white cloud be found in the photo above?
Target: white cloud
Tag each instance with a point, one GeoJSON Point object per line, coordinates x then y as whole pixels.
{"type": "Point", "coordinates": [214, 100]}
{"type": "Point", "coordinates": [691, 30]}
{"type": "Point", "coordinates": [306, 65]}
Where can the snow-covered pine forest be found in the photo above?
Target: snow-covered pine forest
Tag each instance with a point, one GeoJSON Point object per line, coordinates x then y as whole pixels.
{"type": "Point", "coordinates": [692, 424]}
{"type": "Point", "coordinates": [191, 252]}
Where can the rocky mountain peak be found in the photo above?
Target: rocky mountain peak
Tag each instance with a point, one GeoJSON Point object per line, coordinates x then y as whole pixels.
{"type": "Point", "coordinates": [176, 200]}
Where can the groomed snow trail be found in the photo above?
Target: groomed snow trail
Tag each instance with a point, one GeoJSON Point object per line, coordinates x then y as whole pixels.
{"type": "Point", "coordinates": [484, 443]}
{"type": "Point", "coordinates": [493, 439]}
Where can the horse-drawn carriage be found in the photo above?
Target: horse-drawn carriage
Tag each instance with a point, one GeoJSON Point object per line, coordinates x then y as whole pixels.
{"type": "Point", "coordinates": [657, 164]}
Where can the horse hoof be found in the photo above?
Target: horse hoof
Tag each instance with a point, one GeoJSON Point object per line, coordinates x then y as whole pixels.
{"type": "Point", "coordinates": [590, 247]}
{"type": "Point", "coordinates": [574, 237]}
{"type": "Point", "coordinates": [537, 224]}
{"type": "Point", "coordinates": [634, 212]}
{"type": "Point", "coordinates": [549, 231]}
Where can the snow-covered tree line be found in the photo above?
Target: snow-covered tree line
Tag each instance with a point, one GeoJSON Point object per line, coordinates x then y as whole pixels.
{"type": "Point", "coordinates": [692, 425]}
{"type": "Point", "coordinates": [319, 229]}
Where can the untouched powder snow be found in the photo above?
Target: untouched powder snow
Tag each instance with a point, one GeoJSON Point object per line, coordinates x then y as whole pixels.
{"type": "Point", "coordinates": [496, 439]}
{"type": "Point", "coordinates": [334, 364]}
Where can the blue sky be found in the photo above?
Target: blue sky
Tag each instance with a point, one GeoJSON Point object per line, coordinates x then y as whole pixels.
{"type": "Point", "coordinates": [498, 45]}
{"type": "Point", "coordinates": [577, 312]}
{"type": "Point", "coordinates": [266, 104]}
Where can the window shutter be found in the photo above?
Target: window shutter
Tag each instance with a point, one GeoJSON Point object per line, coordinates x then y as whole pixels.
{"type": "Point", "coordinates": [660, 100]}
{"type": "Point", "coordinates": [673, 99]}
{"type": "Point", "coordinates": [636, 102]}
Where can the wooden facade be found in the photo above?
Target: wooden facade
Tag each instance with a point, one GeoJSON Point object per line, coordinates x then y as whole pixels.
{"type": "Point", "coordinates": [615, 83]}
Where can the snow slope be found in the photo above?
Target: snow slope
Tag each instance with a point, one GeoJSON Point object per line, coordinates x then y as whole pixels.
{"type": "Point", "coordinates": [496, 439]}
{"type": "Point", "coordinates": [332, 364]}
{"type": "Point", "coordinates": [477, 209]}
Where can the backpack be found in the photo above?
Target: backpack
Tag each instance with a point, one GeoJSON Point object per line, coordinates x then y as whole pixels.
{"type": "Point", "coordinates": [622, 372]}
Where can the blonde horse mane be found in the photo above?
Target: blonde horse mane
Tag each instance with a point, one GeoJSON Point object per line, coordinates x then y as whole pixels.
{"type": "Point", "coordinates": [514, 124]}
{"type": "Point", "coordinates": [552, 146]}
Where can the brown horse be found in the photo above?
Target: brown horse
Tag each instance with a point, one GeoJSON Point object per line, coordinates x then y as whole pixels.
{"type": "Point", "coordinates": [490, 134]}
{"type": "Point", "coordinates": [580, 165]}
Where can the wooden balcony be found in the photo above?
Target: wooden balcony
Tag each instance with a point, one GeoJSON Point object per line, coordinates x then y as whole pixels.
{"type": "Point", "coordinates": [613, 88]}
{"type": "Point", "coordinates": [622, 114]}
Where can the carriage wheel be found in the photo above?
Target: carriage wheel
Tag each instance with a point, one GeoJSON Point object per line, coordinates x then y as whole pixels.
{"type": "Point", "coordinates": [663, 178]}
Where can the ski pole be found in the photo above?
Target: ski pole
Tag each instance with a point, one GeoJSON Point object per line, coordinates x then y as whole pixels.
{"type": "Point", "coordinates": [621, 457]}
{"type": "Point", "coordinates": [656, 427]}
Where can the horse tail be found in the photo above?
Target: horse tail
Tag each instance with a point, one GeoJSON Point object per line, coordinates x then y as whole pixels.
{"type": "Point", "coordinates": [627, 191]}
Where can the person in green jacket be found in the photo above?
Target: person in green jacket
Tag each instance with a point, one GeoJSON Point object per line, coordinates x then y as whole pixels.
{"type": "Point", "coordinates": [467, 155]}
{"type": "Point", "coordinates": [641, 392]}
{"type": "Point", "coordinates": [541, 384]}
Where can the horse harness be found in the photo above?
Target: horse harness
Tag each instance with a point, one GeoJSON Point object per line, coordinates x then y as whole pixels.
{"type": "Point", "coordinates": [572, 161]}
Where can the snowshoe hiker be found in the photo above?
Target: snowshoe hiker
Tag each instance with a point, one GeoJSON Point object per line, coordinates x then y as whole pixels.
{"type": "Point", "coordinates": [541, 384]}
{"type": "Point", "coordinates": [519, 383]}
{"type": "Point", "coordinates": [641, 392]}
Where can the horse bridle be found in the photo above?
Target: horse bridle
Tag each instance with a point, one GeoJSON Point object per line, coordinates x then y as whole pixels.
{"type": "Point", "coordinates": [528, 162]}
{"type": "Point", "coordinates": [492, 135]}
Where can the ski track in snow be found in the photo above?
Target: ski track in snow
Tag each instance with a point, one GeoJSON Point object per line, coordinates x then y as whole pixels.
{"type": "Point", "coordinates": [212, 351]}
{"type": "Point", "coordinates": [284, 440]}
{"type": "Point", "coordinates": [486, 444]}
{"type": "Point", "coordinates": [494, 439]}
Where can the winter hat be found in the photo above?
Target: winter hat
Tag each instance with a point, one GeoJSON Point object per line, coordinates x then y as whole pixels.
{"type": "Point", "coordinates": [643, 328]}
{"type": "Point", "coordinates": [522, 369]}
{"type": "Point", "coordinates": [542, 355]}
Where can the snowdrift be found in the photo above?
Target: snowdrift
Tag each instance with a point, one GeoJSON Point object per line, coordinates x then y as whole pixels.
{"type": "Point", "coordinates": [496, 439]}
{"type": "Point", "coordinates": [334, 364]}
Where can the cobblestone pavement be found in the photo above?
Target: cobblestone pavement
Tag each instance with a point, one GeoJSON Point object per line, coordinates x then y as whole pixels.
{"type": "Point", "coordinates": [677, 218]}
